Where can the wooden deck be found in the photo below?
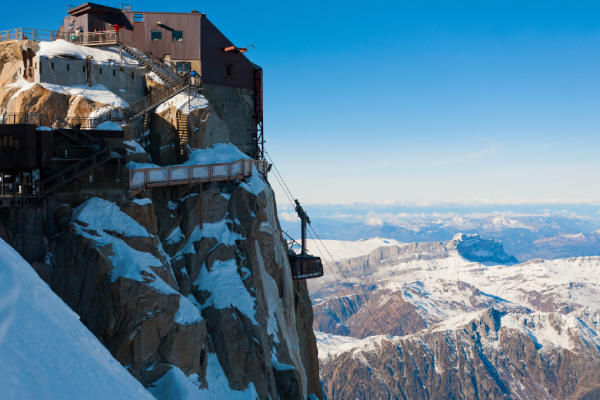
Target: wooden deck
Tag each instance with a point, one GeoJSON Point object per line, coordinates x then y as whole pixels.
{"type": "Point", "coordinates": [142, 179]}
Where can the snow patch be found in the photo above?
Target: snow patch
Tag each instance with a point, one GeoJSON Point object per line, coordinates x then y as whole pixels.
{"type": "Point", "coordinates": [187, 314]}
{"type": "Point", "coordinates": [184, 102]}
{"type": "Point", "coordinates": [174, 385]}
{"type": "Point", "coordinates": [224, 283]}
{"type": "Point", "coordinates": [97, 93]}
{"type": "Point", "coordinates": [141, 202]}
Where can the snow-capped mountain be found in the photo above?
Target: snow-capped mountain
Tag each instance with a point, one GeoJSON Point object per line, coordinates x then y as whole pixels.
{"type": "Point", "coordinates": [548, 237]}
{"type": "Point", "coordinates": [419, 291]}
{"type": "Point", "coordinates": [485, 354]}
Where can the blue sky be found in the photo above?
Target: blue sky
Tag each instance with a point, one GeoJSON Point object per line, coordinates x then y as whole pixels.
{"type": "Point", "coordinates": [416, 101]}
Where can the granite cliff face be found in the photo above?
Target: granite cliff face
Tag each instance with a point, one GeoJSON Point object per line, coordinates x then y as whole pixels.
{"type": "Point", "coordinates": [166, 297]}
{"type": "Point", "coordinates": [189, 287]}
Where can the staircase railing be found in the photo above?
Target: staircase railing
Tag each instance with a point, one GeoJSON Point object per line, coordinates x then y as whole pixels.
{"type": "Point", "coordinates": [74, 171]}
{"type": "Point", "coordinates": [155, 99]}
{"type": "Point", "coordinates": [167, 72]}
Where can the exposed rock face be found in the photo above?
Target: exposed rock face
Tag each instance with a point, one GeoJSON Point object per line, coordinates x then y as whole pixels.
{"type": "Point", "coordinates": [235, 271]}
{"type": "Point", "coordinates": [189, 288]}
{"type": "Point", "coordinates": [486, 355]}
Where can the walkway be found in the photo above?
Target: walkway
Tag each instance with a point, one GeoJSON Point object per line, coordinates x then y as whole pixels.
{"type": "Point", "coordinates": [142, 179]}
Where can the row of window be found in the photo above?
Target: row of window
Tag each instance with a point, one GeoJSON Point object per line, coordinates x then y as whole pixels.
{"type": "Point", "coordinates": [8, 141]}
{"type": "Point", "coordinates": [114, 71]}
{"type": "Point", "coordinates": [176, 36]}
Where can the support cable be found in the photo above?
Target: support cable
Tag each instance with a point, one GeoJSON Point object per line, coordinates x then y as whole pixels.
{"type": "Point", "coordinates": [290, 196]}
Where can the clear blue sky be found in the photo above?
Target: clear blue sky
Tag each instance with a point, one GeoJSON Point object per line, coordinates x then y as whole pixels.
{"type": "Point", "coordinates": [413, 101]}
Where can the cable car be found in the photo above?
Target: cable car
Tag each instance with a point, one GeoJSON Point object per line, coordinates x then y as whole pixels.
{"type": "Point", "coordinates": [304, 266]}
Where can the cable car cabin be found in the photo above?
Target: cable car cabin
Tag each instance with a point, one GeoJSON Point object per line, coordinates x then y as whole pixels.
{"type": "Point", "coordinates": [305, 266]}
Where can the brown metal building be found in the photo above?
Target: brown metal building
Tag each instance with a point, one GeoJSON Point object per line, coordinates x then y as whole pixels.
{"type": "Point", "coordinates": [231, 82]}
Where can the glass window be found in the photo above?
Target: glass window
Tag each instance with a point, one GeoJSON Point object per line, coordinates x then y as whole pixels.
{"type": "Point", "coordinates": [228, 70]}
{"type": "Point", "coordinates": [156, 36]}
{"type": "Point", "coordinates": [178, 36]}
{"type": "Point", "coordinates": [183, 67]}
{"type": "Point", "coordinates": [138, 17]}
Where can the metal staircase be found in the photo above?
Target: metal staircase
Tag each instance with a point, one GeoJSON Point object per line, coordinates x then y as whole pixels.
{"type": "Point", "coordinates": [182, 130]}
{"type": "Point", "coordinates": [75, 171]}
{"type": "Point", "coordinates": [153, 100]}
{"type": "Point", "coordinates": [167, 73]}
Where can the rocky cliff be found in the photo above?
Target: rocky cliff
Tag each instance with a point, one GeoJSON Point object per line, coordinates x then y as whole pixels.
{"type": "Point", "coordinates": [189, 287]}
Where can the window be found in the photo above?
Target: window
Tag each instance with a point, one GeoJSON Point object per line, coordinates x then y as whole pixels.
{"type": "Point", "coordinates": [35, 65]}
{"type": "Point", "coordinates": [84, 68]}
{"type": "Point", "coordinates": [178, 36]}
{"type": "Point", "coordinates": [138, 17]}
{"type": "Point", "coordinates": [52, 65]}
{"type": "Point", "coordinates": [183, 67]}
{"type": "Point", "coordinates": [132, 75]}
{"type": "Point", "coordinates": [68, 67]}
{"type": "Point", "coordinates": [114, 72]}
{"type": "Point", "coordinates": [100, 71]}
{"type": "Point", "coordinates": [16, 144]}
{"type": "Point", "coordinates": [156, 36]}
{"type": "Point", "coordinates": [228, 70]}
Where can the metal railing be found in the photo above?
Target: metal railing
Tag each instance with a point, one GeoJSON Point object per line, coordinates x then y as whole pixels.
{"type": "Point", "coordinates": [90, 38]}
{"type": "Point", "coordinates": [165, 71]}
{"type": "Point", "coordinates": [155, 99]}
{"type": "Point", "coordinates": [41, 35]}
{"type": "Point", "coordinates": [59, 122]}
{"type": "Point", "coordinates": [142, 179]}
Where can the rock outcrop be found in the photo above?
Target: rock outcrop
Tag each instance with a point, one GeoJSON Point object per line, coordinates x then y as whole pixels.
{"type": "Point", "coordinates": [223, 290]}
{"type": "Point", "coordinates": [190, 287]}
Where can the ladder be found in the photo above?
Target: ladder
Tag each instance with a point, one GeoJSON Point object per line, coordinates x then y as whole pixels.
{"type": "Point", "coordinates": [182, 130]}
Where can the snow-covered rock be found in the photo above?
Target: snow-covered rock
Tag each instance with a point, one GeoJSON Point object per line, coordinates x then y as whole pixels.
{"type": "Point", "coordinates": [47, 353]}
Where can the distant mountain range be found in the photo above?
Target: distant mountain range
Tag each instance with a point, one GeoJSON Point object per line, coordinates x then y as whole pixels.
{"type": "Point", "coordinates": [465, 319]}
{"type": "Point", "coordinates": [525, 238]}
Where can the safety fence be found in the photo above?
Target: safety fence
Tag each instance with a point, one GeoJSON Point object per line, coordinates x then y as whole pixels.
{"type": "Point", "coordinates": [41, 35]}
{"type": "Point", "coordinates": [68, 122]}
{"type": "Point", "coordinates": [90, 38]}
{"type": "Point", "coordinates": [142, 179]}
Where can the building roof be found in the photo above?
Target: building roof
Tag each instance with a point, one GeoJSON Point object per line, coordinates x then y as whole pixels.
{"type": "Point", "coordinates": [93, 7]}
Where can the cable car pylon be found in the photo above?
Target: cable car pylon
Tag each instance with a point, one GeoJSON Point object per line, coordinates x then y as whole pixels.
{"type": "Point", "coordinates": [304, 266]}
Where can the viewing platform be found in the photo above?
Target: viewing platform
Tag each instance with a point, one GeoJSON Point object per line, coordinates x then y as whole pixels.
{"type": "Point", "coordinates": [142, 179]}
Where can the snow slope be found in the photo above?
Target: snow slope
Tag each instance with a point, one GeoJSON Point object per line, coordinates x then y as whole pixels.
{"type": "Point", "coordinates": [184, 102]}
{"type": "Point", "coordinates": [47, 353]}
{"type": "Point", "coordinates": [97, 93]}
{"type": "Point", "coordinates": [107, 55]}
{"type": "Point", "coordinates": [219, 153]}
